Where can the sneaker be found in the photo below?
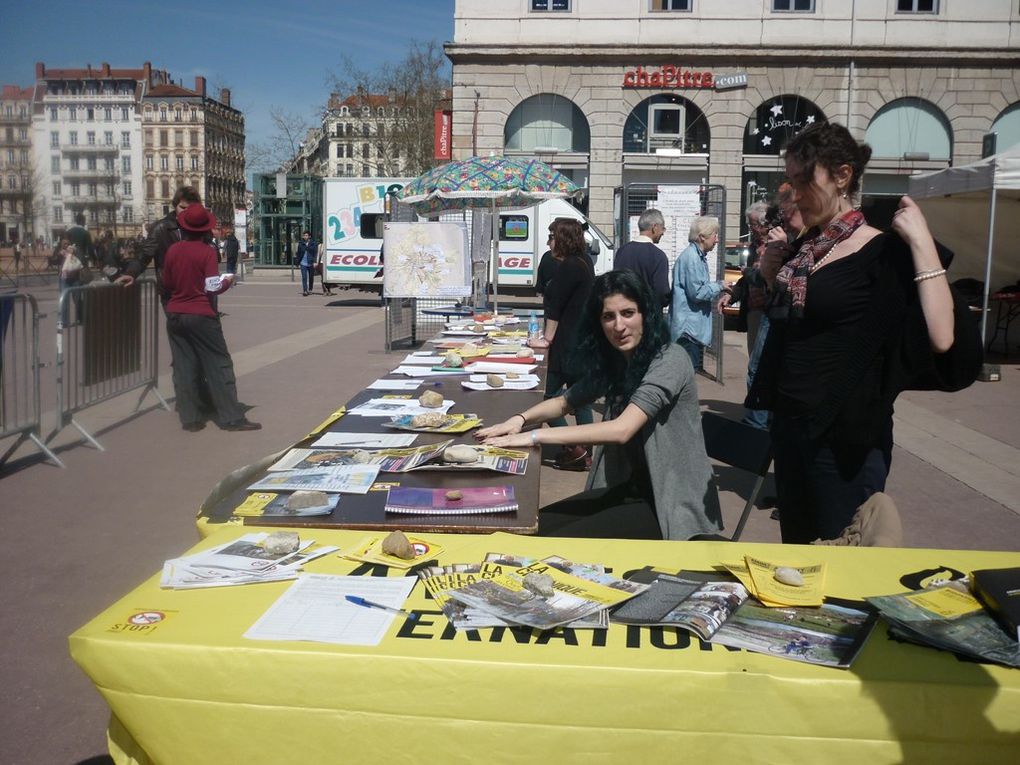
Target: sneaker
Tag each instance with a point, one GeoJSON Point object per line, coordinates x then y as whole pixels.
{"type": "Point", "coordinates": [244, 424]}
{"type": "Point", "coordinates": [575, 458]}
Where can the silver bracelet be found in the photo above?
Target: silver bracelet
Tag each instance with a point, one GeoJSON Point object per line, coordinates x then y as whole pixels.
{"type": "Point", "coordinates": [921, 276]}
{"type": "Point", "coordinates": [534, 437]}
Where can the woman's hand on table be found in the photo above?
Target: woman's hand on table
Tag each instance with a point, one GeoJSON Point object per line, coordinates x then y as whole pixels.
{"type": "Point", "coordinates": [538, 342]}
{"type": "Point", "coordinates": [513, 441]}
{"type": "Point", "coordinates": [508, 427]}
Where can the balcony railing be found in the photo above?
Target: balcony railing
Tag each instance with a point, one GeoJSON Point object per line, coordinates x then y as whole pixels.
{"type": "Point", "coordinates": [89, 173]}
{"type": "Point", "coordinates": [89, 200]}
{"type": "Point", "coordinates": [89, 148]}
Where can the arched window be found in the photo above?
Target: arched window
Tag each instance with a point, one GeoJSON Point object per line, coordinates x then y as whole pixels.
{"type": "Point", "coordinates": [910, 128]}
{"type": "Point", "coordinates": [1007, 127]}
{"type": "Point", "coordinates": [776, 121]}
{"type": "Point", "coordinates": [666, 121]}
{"type": "Point", "coordinates": [547, 121]}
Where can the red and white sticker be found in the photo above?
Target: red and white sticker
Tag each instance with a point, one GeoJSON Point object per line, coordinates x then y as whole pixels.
{"type": "Point", "coordinates": [147, 617]}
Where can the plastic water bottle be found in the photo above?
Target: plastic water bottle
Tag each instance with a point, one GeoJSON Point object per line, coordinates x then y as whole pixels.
{"type": "Point", "coordinates": [534, 333]}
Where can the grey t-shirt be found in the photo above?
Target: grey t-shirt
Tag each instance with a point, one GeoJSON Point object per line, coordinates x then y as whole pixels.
{"type": "Point", "coordinates": [684, 490]}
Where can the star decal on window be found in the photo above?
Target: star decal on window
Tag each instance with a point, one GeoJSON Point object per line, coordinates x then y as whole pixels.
{"type": "Point", "coordinates": [766, 141]}
{"type": "Point", "coordinates": [776, 110]}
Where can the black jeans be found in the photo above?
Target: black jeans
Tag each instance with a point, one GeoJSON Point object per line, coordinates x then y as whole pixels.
{"type": "Point", "coordinates": [614, 513]}
{"type": "Point", "coordinates": [203, 371]}
{"type": "Point", "coordinates": [820, 484]}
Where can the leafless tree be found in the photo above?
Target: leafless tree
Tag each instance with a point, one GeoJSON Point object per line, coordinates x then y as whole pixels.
{"type": "Point", "coordinates": [401, 137]}
{"type": "Point", "coordinates": [289, 130]}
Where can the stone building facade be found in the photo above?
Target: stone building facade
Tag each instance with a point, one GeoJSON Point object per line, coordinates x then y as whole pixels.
{"type": "Point", "coordinates": [192, 139]}
{"type": "Point", "coordinates": [87, 147]}
{"type": "Point", "coordinates": [691, 91]}
{"type": "Point", "coordinates": [17, 169]}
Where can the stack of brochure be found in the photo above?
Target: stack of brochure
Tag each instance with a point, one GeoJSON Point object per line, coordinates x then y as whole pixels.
{"type": "Point", "coordinates": [493, 593]}
{"type": "Point", "coordinates": [720, 610]}
{"type": "Point", "coordinates": [947, 616]}
{"type": "Point", "coordinates": [242, 561]}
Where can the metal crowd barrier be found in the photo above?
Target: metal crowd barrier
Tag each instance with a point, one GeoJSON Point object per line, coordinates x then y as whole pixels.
{"type": "Point", "coordinates": [107, 345]}
{"type": "Point", "coordinates": [20, 401]}
{"type": "Point", "coordinates": [408, 319]}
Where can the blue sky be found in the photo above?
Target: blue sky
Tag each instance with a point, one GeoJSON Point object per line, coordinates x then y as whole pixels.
{"type": "Point", "coordinates": [268, 53]}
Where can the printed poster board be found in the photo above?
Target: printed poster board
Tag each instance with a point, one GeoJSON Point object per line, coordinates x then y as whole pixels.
{"type": "Point", "coordinates": [426, 260]}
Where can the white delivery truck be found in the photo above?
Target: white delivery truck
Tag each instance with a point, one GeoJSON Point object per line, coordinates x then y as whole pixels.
{"type": "Point", "coordinates": [354, 212]}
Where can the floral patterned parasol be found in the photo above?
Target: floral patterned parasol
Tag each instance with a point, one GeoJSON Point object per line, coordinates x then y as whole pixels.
{"type": "Point", "coordinates": [484, 182]}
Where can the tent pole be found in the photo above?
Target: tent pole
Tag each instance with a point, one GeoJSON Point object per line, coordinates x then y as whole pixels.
{"type": "Point", "coordinates": [988, 265]}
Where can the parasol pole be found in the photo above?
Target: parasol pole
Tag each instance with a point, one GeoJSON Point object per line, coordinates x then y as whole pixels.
{"type": "Point", "coordinates": [494, 250]}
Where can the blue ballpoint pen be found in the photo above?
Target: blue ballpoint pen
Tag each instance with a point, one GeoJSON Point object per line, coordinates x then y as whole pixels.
{"type": "Point", "coordinates": [358, 601]}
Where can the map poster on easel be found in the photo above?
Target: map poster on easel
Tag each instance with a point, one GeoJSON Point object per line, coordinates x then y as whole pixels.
{"type": "Point", "coordinates": [425, 260]}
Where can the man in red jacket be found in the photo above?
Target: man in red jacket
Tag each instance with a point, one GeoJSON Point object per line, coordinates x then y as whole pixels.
{"type": "Point", "coordinates": [201, 361]}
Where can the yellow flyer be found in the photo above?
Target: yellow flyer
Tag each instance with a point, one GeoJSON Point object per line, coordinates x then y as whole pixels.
{"type": "Point", "coordinates": [771, 591]}
{"type": "Point", "coordinates": [255, 504]}
{"type": "Point", "coordinates": [947, 602]}
{"type": "Point", "coordinates": [369, 550]}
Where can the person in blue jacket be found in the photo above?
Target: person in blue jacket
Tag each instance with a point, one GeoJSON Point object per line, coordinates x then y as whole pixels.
{"type": "Point", "coordinates": [694, 291]}
{"type": "Point", "coordinates": [307, 254]}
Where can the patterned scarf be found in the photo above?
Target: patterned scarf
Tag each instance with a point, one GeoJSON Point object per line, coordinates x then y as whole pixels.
{"type": "Point", "coordinates": [791, 281]}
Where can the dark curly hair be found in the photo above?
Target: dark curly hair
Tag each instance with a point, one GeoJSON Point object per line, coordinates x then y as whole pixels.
{"type": "Point", "coordinates": [599, 367]}
{"type": "Point", "coordinates": [830, 145]}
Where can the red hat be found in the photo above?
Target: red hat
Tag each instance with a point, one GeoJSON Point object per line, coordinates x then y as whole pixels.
{"type": "Point", "coordinates": [196, 218]}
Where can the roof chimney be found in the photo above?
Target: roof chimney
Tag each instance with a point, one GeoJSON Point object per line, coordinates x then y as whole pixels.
{"type": "Point", "coordinates": [40, 70]}
{"type": "Point", "coordinates": [147, 72]}
{"type": "Point", "coordinates": [225, 96]}
{"type": "Point", "coordinates": [200, 86]}
{"type": "Point", "coordinates": [106, 69]}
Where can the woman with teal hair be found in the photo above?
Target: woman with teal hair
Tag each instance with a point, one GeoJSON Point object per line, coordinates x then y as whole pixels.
{"type": "Point", "coordinates": [650, 476]}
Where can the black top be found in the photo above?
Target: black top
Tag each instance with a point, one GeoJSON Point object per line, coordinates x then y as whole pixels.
{"type": "Point", "coordinates": [837, 300]}
{"type": "Point", "coordinates": [547, 268]}
{"type": "Point", "coordinates": [648, 262]}
{"type": "Point", "coordinates": [564, 302]}
{"type": "Point", "coordinates": [886, 351]}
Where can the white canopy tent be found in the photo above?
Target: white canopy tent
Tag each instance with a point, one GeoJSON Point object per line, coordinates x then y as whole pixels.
{"type": "Point", "coordinates": [975, 211]}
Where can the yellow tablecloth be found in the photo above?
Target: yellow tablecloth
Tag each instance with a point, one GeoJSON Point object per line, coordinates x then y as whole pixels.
{"type": "Point", "coordinates": [185, 687]}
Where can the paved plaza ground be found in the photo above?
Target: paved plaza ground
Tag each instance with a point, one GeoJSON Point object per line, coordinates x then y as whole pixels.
{"type": "Point", "coordinates": [81, 537]}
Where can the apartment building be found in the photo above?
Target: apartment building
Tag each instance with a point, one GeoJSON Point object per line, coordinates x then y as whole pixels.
{"type": "Point", "coordinates": [87, 147]}
{"type": "Point", "coordinates": [191, 138]}
{"type": "Point", "coordinates": [17, 170]}
{"type": "Point", "coordinates": [615, 92]}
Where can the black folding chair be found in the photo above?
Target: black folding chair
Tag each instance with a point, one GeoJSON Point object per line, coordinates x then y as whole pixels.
{"type": "Point", "coordinates": [743, 447]}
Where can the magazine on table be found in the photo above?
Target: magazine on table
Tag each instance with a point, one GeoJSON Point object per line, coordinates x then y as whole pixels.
{"type": "Point", "coordinates": [388, 460]}
{"type": "Point", "coordinates": [719, 610]}
{"type": "Point", "coordinates": [439, 579]}
{"type": "Point", "coordinates": [267, 504]}
{"type": "Point", "coordinates": [591, 572]}
{"type": "Point", "coordinates": [494, 458]}
{"type": "Point", "coordinates": [396, 407]}
{"type": "Point", "coordinates": [190, 572]}
{"type": "Point", "coordinates": [450, 423]}
{"type": "Point", "coordinates": [830, 635]}
{"type": "Point", "coordinates": [947, 616]}
{"type": "Point", "coordinates": [246, 553]}
{"type": "Point", "coordinates": [507, 597]}
{"type": "Point", "coordinates": [687, 601]}
{"type": "Point", "coordinates": [346, 479]}
{"type": "Point", "coordinates": [472, 499]}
